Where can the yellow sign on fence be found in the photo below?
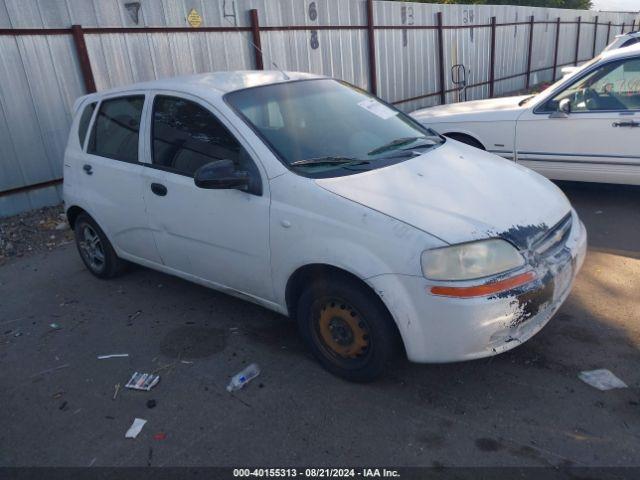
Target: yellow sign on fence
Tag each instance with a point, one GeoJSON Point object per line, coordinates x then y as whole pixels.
{"type": "Point", "coordinates": [194, 18]}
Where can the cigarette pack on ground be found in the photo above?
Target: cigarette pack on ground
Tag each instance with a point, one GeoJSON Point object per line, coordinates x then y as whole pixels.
{"type": "Point", "coordinates": [143, 381]}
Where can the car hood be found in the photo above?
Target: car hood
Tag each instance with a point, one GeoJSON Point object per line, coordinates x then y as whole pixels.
{"type": "Point", "coordinates": [489, 110]}
{"type": "Point", "coordinates": [458, 194]}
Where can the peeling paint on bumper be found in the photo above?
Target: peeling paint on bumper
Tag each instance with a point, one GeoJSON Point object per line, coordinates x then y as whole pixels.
{"type": "Point", "coordinates": [443, 329]}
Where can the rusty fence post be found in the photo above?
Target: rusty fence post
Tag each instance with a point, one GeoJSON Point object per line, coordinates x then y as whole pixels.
{"type": "Point", "coordinates": [441, 84]}
{"type": "Point", "coordinates": [595, 36]}
{"type": "Point", "coordinates": [622, 29]}
{"type": "Point", "coordinates": [555, 53]}
{"type": "Point", "coordinates": [83, 58]}
{"type": "Point", "coordinates": [608, 32]}
{"type": "Point", "coordinates": [373, 74]}
{"type": "Point", "coordinates": [530, 49]}
{"type": "Point", "coordinates": [575, 58]}
{"type": "Point", "coordinates": [255, 34]}
{"type": "Point", "coordinates": [492, 60]}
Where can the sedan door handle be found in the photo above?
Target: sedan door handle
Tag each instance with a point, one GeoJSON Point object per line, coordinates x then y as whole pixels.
{"type": "Point", "coordinates": [159, 189]}
{"type": "Point", "coordinates": [630, 123]}
{"type": "Point", "coordinates": [88, 169]}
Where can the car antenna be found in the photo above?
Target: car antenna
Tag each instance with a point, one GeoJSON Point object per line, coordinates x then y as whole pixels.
{"type": "Point", "coordinates": [286, 77]}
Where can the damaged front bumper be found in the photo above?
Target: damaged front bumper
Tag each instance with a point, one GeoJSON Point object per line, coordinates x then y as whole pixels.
{"type": "Point", "coordinates": [446, 329]}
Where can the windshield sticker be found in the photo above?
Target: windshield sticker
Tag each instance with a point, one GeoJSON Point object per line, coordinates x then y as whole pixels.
{"type": "Point", "coordinates": [377, 109]}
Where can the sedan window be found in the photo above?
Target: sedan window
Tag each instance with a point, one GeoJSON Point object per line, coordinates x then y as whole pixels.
{"type": "Point", "coordinates": [614, 86]}
{"type": "Point", "coordinates": [323, 127]}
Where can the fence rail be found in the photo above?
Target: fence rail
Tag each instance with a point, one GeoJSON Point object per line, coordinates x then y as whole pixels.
{"type": "Point", "coordinates": [88, 57]}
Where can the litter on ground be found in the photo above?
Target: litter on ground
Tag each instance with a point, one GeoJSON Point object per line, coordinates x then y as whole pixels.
{"type": "Point", "coordinates": [602, 379]}
{"type": "Point", "coordinates": [135, 428]}
{"type": "Point", "coordinates": [113, 355]}
{"type": "Point", "coordinates": [143, 381]}
{"type": "Point", "coordinates": [240, 379]}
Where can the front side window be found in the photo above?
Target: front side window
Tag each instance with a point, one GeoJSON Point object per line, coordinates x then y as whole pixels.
{"type": "Point", "coordinates": [83, 125]}
{"type": "Point", "coordinates": [186, 136]}
{"type": "Point", "coordinates": [116, 129]}
{"type": "Point", "coordinates": [614, 86]}
{"type": "Point", "coordinates": [323, 128]}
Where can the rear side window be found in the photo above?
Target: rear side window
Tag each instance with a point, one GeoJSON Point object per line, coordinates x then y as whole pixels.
{"type": "Point", "coordinates": [116, 129]}
{"type": "Point", "coordinates": [187, 136]}
{"type": "Point", "coordinates": [85, 118]}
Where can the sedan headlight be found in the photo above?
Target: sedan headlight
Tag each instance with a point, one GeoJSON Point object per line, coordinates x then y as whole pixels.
{"type": "Point", "coordinates": [468, 261]}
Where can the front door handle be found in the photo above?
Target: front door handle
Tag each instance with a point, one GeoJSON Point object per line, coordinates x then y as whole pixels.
{"type": "Point", "coordinates": [159, 189]}
{"type": "Point", "coordinates": [88, 169]}
{"type": "Point", "coordinates": [630, 123]}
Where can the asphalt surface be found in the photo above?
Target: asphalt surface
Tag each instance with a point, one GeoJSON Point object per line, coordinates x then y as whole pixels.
{"type": "Point", "coordinates": [525, 407]}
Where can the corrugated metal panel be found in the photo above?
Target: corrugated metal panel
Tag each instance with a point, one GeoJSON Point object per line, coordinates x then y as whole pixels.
{"type": "Point", "coordinates": [40, 76]}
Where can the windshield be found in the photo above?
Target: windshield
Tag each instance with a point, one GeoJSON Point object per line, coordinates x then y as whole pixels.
{"type": "Point", "coordinates": [323, 127]}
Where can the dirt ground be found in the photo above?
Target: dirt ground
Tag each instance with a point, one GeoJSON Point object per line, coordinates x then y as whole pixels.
{"type": "Point", "coordinates": [523, 408]}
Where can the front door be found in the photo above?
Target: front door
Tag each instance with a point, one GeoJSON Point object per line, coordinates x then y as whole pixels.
{"type": "Point", "coordinates": [221, 236]}
{"type": "Point", "coordinates": [598, 139]}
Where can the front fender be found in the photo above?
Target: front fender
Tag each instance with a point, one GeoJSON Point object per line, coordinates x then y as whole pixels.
{"type": "Point", "coordinates": [310, 225]}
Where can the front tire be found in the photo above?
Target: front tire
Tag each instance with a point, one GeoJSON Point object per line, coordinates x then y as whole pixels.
{"type": "Point", "coordinates": [347, 328]}
{"type": "Point", "coordinates": [94, 247]}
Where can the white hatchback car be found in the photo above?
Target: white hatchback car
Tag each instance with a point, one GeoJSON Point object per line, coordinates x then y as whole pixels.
{"type": "Point", "coordinates": [315, 199]}
{"type": "Point", "coordinates": [584, 127]}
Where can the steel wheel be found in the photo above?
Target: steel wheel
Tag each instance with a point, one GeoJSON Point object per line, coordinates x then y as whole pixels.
{"type": "Point", "coordinates": [91, 248]}
{"type": "Point", "coordinates": [342, 331]}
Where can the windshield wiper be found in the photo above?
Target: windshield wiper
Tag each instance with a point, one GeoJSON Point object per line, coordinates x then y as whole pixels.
{"type": "Point", "coordinates": [329, 160]}
{"type": "Point", "coordinates": [525, 100]}
{"type": "Point", "coordinates": [398, 142]}
{"type": "Point", "coordinates": [427, 143]}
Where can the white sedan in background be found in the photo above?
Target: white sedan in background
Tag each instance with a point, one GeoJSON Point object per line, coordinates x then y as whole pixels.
{"type": "Point", "coordinates": [585, 127]}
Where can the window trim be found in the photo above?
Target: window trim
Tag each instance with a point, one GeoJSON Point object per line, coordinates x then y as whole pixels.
{"type": "Point", "coordinates": [116, 96]}
{"type": "Point", "coordinates": [537, 110]}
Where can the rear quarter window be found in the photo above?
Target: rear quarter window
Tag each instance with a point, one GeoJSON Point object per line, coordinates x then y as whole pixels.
{"type": "Point", "coordinates": [83, 125]}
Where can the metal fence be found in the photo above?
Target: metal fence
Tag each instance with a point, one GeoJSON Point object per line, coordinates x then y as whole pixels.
{"type": "Point", "coordinates": [52, 51]}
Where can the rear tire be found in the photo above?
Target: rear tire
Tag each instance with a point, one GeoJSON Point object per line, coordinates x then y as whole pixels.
{"type": "Point", "coordinates": [347, 328]}
{"type": "Point", "coordinates": [94, 247]}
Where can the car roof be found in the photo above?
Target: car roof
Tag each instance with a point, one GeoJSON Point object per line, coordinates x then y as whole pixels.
{"type": "Point", "coordinates": [214, 84]}
{"type": "Point", "coordinates": [622, 52]}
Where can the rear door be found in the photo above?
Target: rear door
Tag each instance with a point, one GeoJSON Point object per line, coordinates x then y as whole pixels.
{"type": "Point", "coordinates": [112, 176]}
{"type": "Point", "coordinates": [599, 140]}
{"type": "Point", "coordinates": [220, 236]}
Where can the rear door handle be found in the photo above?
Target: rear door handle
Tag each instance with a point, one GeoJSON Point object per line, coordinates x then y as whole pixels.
{"type": "Point", "coordinates": [88, 169]}
{"type": "Point", "coordinates": [159, 189]}
{"type": "Point", "coordinates": [630, 123]}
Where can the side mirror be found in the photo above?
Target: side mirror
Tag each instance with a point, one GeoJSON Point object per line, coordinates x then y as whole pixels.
{"type": "Point", "coordinates": [563, 110]}
{"type": "Point", "coordinates": [221, 174]}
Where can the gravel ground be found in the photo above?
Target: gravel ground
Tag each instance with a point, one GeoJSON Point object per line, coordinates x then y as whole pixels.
{"type": "Point", "coordinates": [31, 232]}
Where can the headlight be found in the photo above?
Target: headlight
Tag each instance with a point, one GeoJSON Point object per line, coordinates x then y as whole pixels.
{"type": "Point", "coordinates": [468, 261]}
